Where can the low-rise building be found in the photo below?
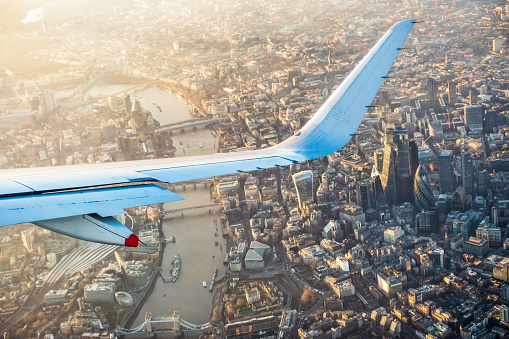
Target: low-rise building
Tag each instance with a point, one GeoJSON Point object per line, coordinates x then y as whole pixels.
{"type": "Point", "coordinates": [353, 213]}
{"type": "Point", "coordinates": [332, 247]}
{"type": "Point", "coordinates": [457, 241]}
{"type": "Point", "coordinates": [342, 289]}
{"type": "Point", "coordinates": [253, 296]}
{"type": "Point", "coordinates": [476, 246]}
{"type": "Point", "coordinates": [392, 234]}
{"type": "Point", "coordinates": [81, 322]}
{"type": "Point", "coordinates": [491, 234]}
{"type": "Point", "coordinates": [99, 293]}
{"type": "Point", "coordinates": [54, 297]}
{"type": "Point", "coordinates": [260, 248]}
{"type": "Point", "coordinates": [253, 260]}
{"type": "Point", "coordinates": [311, 253]}
{"type": "Point", "coordinates": [390, 286]}
{"type": "Point", "coordinates": [288, 321]}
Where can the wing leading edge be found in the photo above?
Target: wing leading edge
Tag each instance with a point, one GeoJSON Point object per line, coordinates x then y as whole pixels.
{"type": "Point", "coordinates": [326, 132]}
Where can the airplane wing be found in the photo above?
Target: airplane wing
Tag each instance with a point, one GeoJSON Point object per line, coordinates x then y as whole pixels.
{"type": "Point", "coordinates": [81, 200]}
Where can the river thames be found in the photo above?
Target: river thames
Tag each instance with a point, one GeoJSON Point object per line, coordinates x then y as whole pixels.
{"type": "Point", "coordinates": [195, 231]}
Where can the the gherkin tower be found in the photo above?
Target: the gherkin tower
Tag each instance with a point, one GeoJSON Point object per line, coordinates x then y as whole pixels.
{"type": "Point", "coordinates": [422, 190]}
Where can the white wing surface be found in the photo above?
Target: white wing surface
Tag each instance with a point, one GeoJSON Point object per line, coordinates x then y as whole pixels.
{"type": "Point", "coordinates": [80, 200]}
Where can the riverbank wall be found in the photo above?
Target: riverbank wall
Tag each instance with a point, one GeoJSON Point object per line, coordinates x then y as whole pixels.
{"type": "Point", "coordinates": [131, 316]}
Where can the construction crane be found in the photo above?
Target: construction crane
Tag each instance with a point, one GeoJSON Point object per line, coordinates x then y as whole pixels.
{"type": "Point", "coordinates": [448, 119]}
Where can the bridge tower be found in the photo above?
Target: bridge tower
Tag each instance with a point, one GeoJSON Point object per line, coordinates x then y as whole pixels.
{"type": "Point", "coordinates": [148, 324]}
{"type": "Point", "coordinates": [176, 322]}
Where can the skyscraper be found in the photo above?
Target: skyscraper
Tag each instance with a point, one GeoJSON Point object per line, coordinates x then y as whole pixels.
{"type": "Point", "coordinates": [494, 216]}
{"type": "Point", "coordinates": [28, 238]}
{"type": "Point", "coordinates": [404, 188]}
{"type": "Point", "coordinates": [128, 105]}
{"type": "Point", "coordinates": [388, 177]}
{"type": "Point", "coordinates": [451, 87]}
{"type": "Point", "coordinates": [473, 115]}
{"type": "Point", "coordinates": [472, 96]}
{"type": "Point", "coordinates": [422, 191]}
{"type": "Point", "coordinates": [459, 88]}
{"type": "Point", "coordinates": [459, 200]}
{"type": "Point", "coordinates": [304, 185]}
{"type": "Point", "coordinates": [396, 177]}
{"type": "Point", "coordinates": [397, 137]}
{"type": "Point", "coordinates": [467, 171]}
{"type": "Point", "coordinates": [427, 222]}
{"type": "Point", "coordinates": [432, 91]}
{"type": "Point", "coordinates": [504, 313]}
{"type": "Point", "coordinates": [378, 192]}
{"type": "Point", "coordinates": [365, 195]}
{"type": "Point", "coordinates": [379, 160]}
{"type": "Point", "coordinates": [490, 120]}
{"type": "Point", "coordinates": [137, 114]}
{"type": "Point", "coordinates": [414, 157]}
{"type": "Point", "coordinates": [482, 181]}
{"type": "Point", "coordinates": [136, 106]}
{"type": "Point", "coordinates": [504, 293]}
{"type": "Point", "coordinates": [445, 170]}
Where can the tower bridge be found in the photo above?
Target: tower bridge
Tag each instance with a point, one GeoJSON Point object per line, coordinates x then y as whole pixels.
{"type": "Point", "coordinates": [154, 325]}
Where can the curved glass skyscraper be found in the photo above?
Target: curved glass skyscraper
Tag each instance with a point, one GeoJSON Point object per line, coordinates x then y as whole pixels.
{"type": "Point", "coordinates": [304, 185]}
{"type": "Point", "coordinates": [422, 190]}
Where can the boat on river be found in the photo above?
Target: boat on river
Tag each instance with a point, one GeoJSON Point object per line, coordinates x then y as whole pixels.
{"type": "Point", "coordinates": [176, 267]}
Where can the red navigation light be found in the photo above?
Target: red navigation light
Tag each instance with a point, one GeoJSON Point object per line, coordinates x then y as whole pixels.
{"type": "Point", "coordinates": [132, 241]}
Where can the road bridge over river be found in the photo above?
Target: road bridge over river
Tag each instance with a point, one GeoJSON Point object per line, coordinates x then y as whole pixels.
{"type": "Point", "coordinates": [154, 325]}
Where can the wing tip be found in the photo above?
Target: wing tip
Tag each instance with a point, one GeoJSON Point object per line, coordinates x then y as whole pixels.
{"type": "Point", "coordinates": [302, 142]}
{"type": "Point", "coordinates": [409, 22]}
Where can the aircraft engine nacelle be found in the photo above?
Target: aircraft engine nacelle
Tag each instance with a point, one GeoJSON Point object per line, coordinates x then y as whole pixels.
{"type": "Point", "coordinates": [92, 227]}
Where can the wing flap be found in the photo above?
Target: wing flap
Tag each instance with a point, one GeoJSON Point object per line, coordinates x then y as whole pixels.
{"type": "Point", "coordinates": [71, 180]}
{"type": "Point", "coordinates": [104, 202]}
